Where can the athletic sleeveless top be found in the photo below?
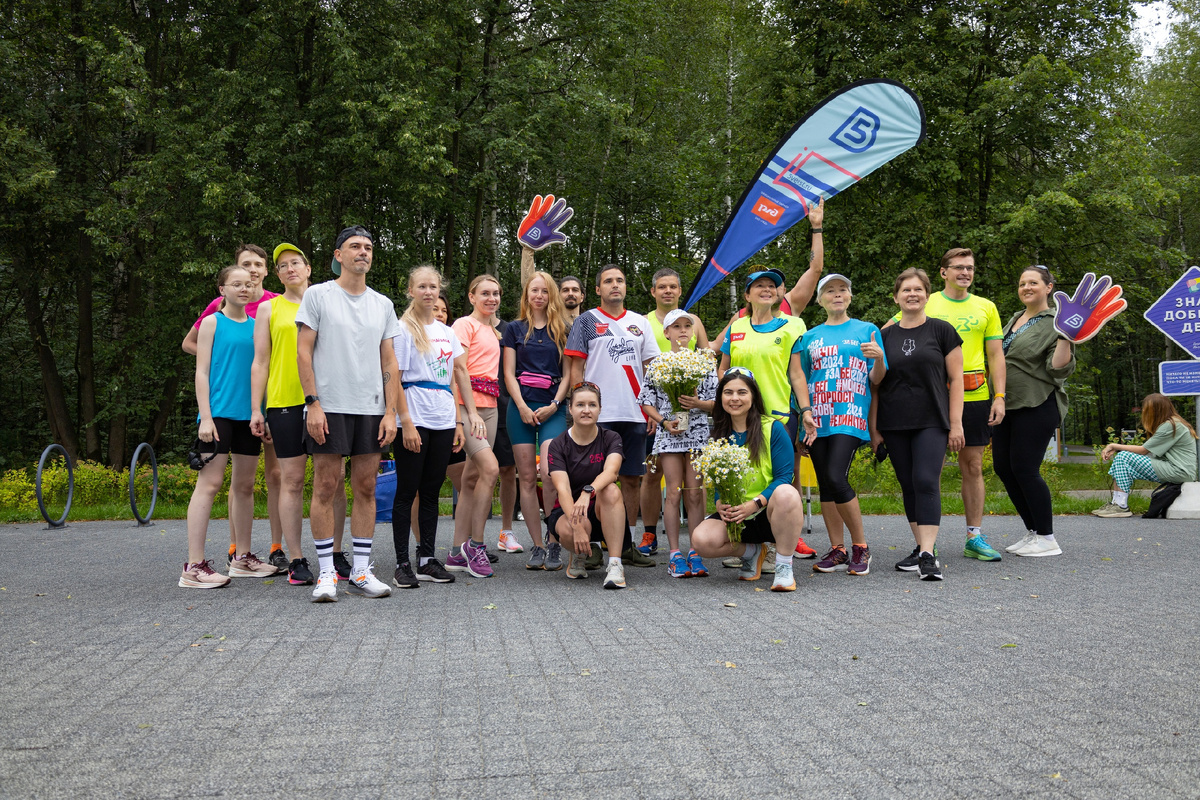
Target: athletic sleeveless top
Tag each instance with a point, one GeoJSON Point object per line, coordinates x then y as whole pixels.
{"type": "Point", "coordinates": [657, 327]}
{"type": "Point", "coordinates": [767, 355]}
{"type": "Point", "coordinates": [283, 380]}
{"type": "Point", "coordinates": [229, 368]}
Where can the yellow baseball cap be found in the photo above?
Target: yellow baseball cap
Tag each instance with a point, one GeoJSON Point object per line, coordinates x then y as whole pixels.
{"type": "Point", "coordinates": [283, 248]}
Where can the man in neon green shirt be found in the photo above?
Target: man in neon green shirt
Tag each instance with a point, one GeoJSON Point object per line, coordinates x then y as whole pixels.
{"type": "Point", "coordinates": [978, 323]}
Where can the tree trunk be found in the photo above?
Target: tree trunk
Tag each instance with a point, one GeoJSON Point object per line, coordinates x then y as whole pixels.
{"type": "Point", "coordinates": [86, 358]}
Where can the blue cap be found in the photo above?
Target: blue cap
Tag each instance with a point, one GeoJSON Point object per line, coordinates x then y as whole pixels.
{"type": "Point", "coordinates": [773, 274]}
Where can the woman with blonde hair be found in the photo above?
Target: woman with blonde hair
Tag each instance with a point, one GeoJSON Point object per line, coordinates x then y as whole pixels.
{"type": "Point", "coordinates": [1168, 456]}
{"type": "Point", "coordinates": [533, 372]}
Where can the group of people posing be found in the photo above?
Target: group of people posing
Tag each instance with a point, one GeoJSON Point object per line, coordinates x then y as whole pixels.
{"type": "Point", "coordinates": [329, 371]}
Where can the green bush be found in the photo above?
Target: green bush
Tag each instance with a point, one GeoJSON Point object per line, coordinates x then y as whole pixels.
{"type": "Point", "coordinates": [16, 491]}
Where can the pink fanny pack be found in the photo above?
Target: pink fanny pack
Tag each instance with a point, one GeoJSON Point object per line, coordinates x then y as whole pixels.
{"type": "Point", "coordinates": [536, 380]}
{"type": "Point", "coordinates": [486, 386]}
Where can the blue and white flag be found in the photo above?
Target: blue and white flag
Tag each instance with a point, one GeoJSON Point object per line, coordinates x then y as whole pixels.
{"type": "Point", "coordinates": [844, 138]}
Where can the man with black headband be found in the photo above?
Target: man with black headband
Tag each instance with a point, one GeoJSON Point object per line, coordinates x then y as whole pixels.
{"type": "Point", "coordinates": [349, 374]}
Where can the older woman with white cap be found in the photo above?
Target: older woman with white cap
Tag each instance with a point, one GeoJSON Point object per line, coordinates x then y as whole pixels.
{"type": "Point", "coordinates": [842, 358]}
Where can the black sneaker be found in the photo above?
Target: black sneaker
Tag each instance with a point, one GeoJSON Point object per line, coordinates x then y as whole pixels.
{"type": "Point", "coordinates": [910, 562]}
{"type": "Point", "coordinates": [279, 560]}
{"type": "Point", "coordinates": [404, 578]}
{"type": "Point", "coordinates": [931, 570]}
{"type": "Point", "coordinates": [432, 570]}
{"type": "Point", "coordinates": [342, 565]}
{"type": "Point", "coordinates": [492, 557]}
{"type": "Point", "coordinates": [229, 558]}
{"type": "Point", "coordinates": [298, 572]}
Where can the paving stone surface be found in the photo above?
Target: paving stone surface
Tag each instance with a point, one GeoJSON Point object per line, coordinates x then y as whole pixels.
{"type": "Point", "coordinates": [1072, 676]}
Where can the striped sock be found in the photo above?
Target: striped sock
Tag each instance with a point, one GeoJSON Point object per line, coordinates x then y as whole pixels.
{"type": "Point", "coordinates": [324, 553]}
{"type": "Point", "coordinates": [362, 554]}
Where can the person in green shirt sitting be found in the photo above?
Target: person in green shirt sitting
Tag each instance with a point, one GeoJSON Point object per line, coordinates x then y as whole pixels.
{"type": "Point", "coordinates": [1168, 456]}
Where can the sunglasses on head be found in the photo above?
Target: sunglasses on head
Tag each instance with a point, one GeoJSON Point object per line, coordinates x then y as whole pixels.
{"type": "Point", "coordinates": [585, 385]}
{"type": "Point", "coordinates": [739, 371]}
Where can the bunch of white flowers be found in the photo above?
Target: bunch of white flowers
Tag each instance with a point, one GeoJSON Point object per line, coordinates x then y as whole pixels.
{"type": "Point", "coordinates": [679, 372]}
{"type": "Point", "coordinates": [725, 467]}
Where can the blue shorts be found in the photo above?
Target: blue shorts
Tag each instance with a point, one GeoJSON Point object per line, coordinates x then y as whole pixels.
{"type": "Point", "coordinates": [633, 440]}
{"type": "Point", "coordinates": [520, 433]}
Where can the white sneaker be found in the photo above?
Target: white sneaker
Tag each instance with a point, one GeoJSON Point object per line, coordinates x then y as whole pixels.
{"type": "Point", "coordinates": [366, 584]}
{"type": "Point", "coordinates": [614, 578]}
{"type": "Point", "coordinates": [1112, 510]}
{"type": "Point", "coordinates": [1024, 540]}
{"type": "Point", "coordinates": [1040, 546]}
{"type": "Point", "coordinates": [326, 590]}
{"type": "Point", "coordinates": [509, 544]}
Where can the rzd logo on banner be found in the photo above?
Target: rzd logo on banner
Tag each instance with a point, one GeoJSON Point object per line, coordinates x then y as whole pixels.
{"type": "Point", "coordinates": [768, 210]}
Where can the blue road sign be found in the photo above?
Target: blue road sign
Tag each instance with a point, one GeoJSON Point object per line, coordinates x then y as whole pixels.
{"type": "Point", "coordinates": [1179, 378]}
{"type": "Point", "coordinates": [1177, 313]}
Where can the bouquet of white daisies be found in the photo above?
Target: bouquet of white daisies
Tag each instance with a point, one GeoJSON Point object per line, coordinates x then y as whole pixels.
{"type": "Point", "coordinates": [725, 466]}
{"type": "Point", "coordinates": [677, 373]}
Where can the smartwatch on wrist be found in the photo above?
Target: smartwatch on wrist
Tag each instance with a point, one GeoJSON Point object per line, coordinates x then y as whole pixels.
{"type": "Point", "coordinates": [309, 399]}
{"type": "Point", "coordinates": [589, 489]}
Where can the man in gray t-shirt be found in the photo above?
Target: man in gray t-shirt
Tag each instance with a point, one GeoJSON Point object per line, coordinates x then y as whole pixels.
{"type": "Point", "coordinates": [348, 371]}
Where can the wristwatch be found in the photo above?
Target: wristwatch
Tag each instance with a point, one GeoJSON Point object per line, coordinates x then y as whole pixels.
{"type": "Point", "coordinates": [589, 489]}
{"type": "Point", "coordinates": [758, 501]}
{"type": "Point", "coordinates": [309, 399]}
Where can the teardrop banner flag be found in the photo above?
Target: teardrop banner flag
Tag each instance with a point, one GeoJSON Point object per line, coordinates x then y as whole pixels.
{"type": "Point", "coordinates": [844, 138]}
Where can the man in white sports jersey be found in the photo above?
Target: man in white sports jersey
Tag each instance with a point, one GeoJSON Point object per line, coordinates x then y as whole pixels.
{"type": "Point", "coordinates": [610, 347]}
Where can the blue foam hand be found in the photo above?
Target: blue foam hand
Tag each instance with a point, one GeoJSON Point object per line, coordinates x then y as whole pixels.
{"type": "Point", "coordinates": [1081, 317]}
{"type": "Point", "coordinates": [540, 227]}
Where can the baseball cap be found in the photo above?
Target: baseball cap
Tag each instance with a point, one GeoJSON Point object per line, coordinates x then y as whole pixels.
{"type": "Point", "coordinates": [353, 230]}
{"type": "Point", "coordinates": [833, 276]}
{"type": "Point", "coordinates": [283, 248]}
{"type": "Point", "coordinates": [673, 315]}
{"type": "Point", "coordinates": [773, 274]}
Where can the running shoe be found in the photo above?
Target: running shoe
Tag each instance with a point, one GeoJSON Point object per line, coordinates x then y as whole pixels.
{"type": "Point", "coordinates": [784, 580]}
{"type": "Point", "coordinates": [477, 560]}
{"type": "Point", "coordinates": [490, 556]}
{"type": "Point", "coordinates": [677, 567]}
{"type": "Point", "coordinates": [931, 570]}
{"type": "Point", "coordinates": [768, 567]}
{"type": "Point", "coordinates": [696, 565]}
{"type": "Point", "coordinates": [803, 550]}
{"type": "Point", "coordinates": [342, 565]}
{"type": "Point", "coordinates": [649, 545]}
{"type": "Point", "coordinates": [733, 562]}
{"type": "Point", "coordinates": [1024, 540]}
{"type": "Point", "coordinates": [835, 560]}
{"type": "Point", "coordinates": [432, 570]}
{"type": "Point", "coordinates": [456, 562]}
{"type": "Point", "coordinates": [403, 578]}
{"type": "Point", "coordinates": [366, 584]}
{"type": "Point", "coordinates": [860, 560]}
{"type": "Point", "coordinates": [911, 562]}
{"type": "Point", "coordinates": [249, 566]}
{"type": "Point", "coordinates": [202, 576]}
{"type": "Point", "coordinates": [537, 558]}
{"type": "Point", "coordinates": [596, 559]}
{"type": "Point", "coordinates": [279, 560]}
{"type": "Point", "coordinates": [1112, 510]}
{"type": "Point", "coordinates": [1039, 547]}
{"type": "Point", "coordinates": [326, 591]}
{"type": "Point", "coordinates": [977, 547]}
{"type": "Point", "coordinates": [553, 556]}
{"type": "Point", "coordinates": [575, 566]}
{"type": "Point", "coordinates": [614, 577]}
{"type": "Point", "coordinates": [752, 562]}
{"type": "Point", "coordinates": [634, 558]}
{"type": "Point", "coordinates": [298, 572]}
{"type": "Point", "coordinates": [509, 544]}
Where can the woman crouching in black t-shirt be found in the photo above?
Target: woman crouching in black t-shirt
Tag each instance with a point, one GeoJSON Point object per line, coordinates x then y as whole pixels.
{"type": "Point", "coordinates": [584, 462]}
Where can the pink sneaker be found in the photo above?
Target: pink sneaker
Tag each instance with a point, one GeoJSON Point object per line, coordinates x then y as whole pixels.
{"type": "Point", "coordinates": [249, 566]}
{"type": "Point", "coordinates": [477, 560]}
{"type": "Point", "coordinates": [202, 576]}
{"type": "Point", "coordinates": [509, 544]}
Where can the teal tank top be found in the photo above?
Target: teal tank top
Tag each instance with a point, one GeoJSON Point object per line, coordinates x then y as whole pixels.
{"type": "Point", "coordinates": [229, 368]}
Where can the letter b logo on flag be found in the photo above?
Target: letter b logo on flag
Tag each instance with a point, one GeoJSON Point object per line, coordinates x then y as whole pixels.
{"type": "Point", "coordinates": [857, 133]}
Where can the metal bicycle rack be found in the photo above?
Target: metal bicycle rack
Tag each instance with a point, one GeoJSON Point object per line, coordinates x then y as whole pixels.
{"type": "Point", "coordinates": [61, 522]}
{"type": "Point", "coordinates": [154, 485]}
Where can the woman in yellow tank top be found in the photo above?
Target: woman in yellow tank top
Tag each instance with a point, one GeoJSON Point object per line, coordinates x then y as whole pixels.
{"type": "Point", "coordinates": [276, 375]}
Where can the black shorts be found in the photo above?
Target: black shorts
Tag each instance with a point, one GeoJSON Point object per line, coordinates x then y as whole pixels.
{"type": "Point", "coordinates": [233, 436]}
{"type": "Point", "coordinates": [633, 444]}
{"type": "Point", "coordinates": [349, 435]}
{"type": "Point", "coordinates": [502, 449]}
{"type": "Point", "coordinates": [287, 431]}
{"type": "Point", "coordinates": [756, 530]}
{"type": "Point", "coordinates": [557, 513]}
{"type": "Point", "coordinates": [975, 423]}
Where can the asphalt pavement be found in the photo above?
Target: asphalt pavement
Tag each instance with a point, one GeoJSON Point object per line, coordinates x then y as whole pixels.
{"type": "Point", "coordinates": [1072, 676]}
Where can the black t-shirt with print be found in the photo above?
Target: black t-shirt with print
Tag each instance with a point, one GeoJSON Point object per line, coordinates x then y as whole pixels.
{"type": "Point", "coordinates": [914, 394]}
{"type": "Point", "coordinates": [583, 463]}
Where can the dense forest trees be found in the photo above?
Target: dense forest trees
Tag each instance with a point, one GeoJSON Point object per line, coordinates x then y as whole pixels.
{"type": "Point", "coordinates": [142, 140]}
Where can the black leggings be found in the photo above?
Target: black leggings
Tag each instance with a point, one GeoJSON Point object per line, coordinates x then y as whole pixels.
{"type": "Point", "coordinates": [831, 457]}
{"type": "Point", "coordinates": [917, 456]}
{"type": "Point", "coordinates": [424, 472]}
{"type": "Point", "coordinates": [1018, 447]}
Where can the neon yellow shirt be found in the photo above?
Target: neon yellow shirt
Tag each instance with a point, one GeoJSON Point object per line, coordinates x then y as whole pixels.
{"type": "Point", "coordinates": [977, 321]}
{"type": "Point", "coordinates": [663, 344]}
{"type": "Point", "coordinates": [283, 378]}
{"type": "Point", "coordinates": [767, 355]}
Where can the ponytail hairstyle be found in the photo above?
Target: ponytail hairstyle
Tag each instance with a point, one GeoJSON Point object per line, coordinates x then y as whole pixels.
{"type": "Point", "coordinates": [556, 312]}
{"type": "Point", "coordinates": [722, 422]}
{"type": "Point", "coordinates": [416, 327]}
{"type": "Point", "coordinates": [223, 276]}
{"type": "Point", "coordinates": [1157, 410]}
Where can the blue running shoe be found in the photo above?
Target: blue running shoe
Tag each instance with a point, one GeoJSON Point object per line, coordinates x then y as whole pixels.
{"type": "Point", "coordinates": [677, 567]}
{"type": "Point", "coordinates": [978, 547]}
{"type": "Point", "coordinates": [649, 545]}
{"type": "Point", "coordinates": [696, 565]}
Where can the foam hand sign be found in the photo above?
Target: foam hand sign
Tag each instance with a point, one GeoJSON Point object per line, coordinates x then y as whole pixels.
{"type": "Point", "coordinates": [1081, 317]}
{"type": "Point", "coordinates": [540, 228]}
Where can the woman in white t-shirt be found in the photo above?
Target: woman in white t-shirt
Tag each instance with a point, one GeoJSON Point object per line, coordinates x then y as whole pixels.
{"type": "Point", "coordinates": [430, 358]}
